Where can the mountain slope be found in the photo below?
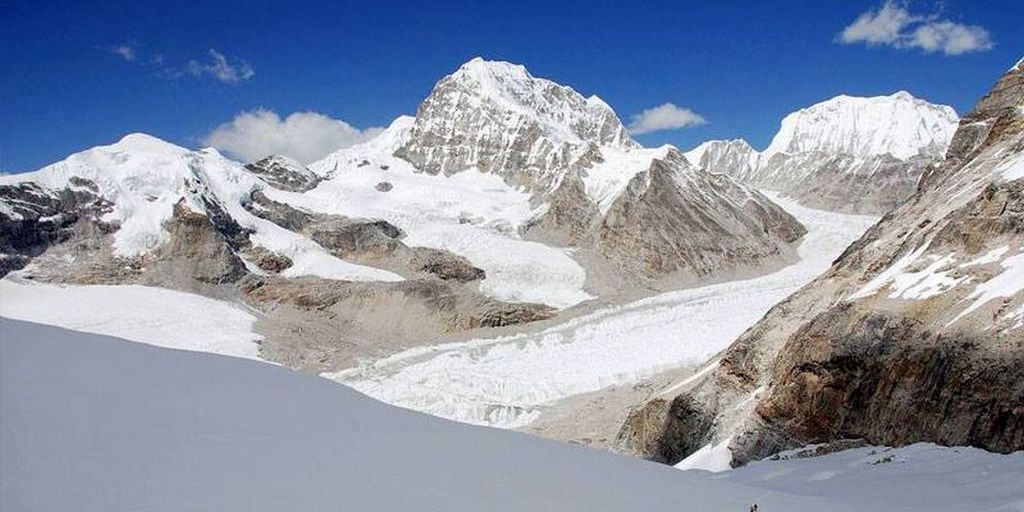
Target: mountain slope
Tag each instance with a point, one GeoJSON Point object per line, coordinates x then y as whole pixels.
{"type": "Point", "coordinates": [849, 154]}
{"type": "Point", "coordinates": [914, 334]}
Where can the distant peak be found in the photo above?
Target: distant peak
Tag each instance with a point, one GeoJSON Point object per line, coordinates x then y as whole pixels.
{"type": "Point", "coordinates": [478, 65]}
{"type": "Point", "coordinates": [899, 124]}
{"type": "Point", "coordinates": [144, 142]}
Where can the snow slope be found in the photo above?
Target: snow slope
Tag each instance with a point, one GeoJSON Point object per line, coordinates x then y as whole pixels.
{"type": "Point", "coordinates": [91, 423]}
{"type": "Point", "coordinates": [506, 381]}
{"type": "Point", "coordinates": [155, 316]}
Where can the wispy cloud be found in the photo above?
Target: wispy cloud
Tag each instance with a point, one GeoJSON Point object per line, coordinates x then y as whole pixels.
{"type": "Point", "coordinates": [221, 68]}
{"type": "Point", "coordinates": [664, 117]}
{"type": "Point", "coordinates": [304, 136]}
{"type": "Point", "coordinates": [217, 66]}
{"type": "Point", "coordinates": [894, 25]}
{"type": "Point", "coordinates": [125, 51]}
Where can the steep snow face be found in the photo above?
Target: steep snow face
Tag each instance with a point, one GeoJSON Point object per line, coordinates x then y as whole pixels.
{"type": "Point", "coordinates": [496, 117]}
{"type": "Point", "coordinates": [899, 124]}
{"type": "Point", "coordinates": [144, 177]}
{"type": "Point", "coordinates": [847, 154]}
{"type": "Point", "coordinates": [560, 112]}
{"type": "Point", "coordinates": [507, 381]}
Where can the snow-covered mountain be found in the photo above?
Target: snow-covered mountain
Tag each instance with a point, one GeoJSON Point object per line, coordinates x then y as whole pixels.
{"type": "Point", "coordinates": [632, 211]}
{"type": "Point", "coordinates": [899, 125]}
{"type": "Point", "coordinates": [916, 333]}
{"type": "Point", "coordinates": [565, 169]}
{"type": "Point", "coordinates": [506, 198]}
{"type": "Point", "coordinates": [496, 117]}
{"type": "Point", "coordinates": [850, 154]}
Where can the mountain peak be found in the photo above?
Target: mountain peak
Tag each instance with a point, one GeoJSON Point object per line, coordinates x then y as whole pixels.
{"type": "Point", "coordinates": [497, 117]}
{"type": "Point", "coordinates": [478, 66]}
{"type": "Point", "coordinates": [145, 143]}
{"type": "Point", "coordinates": [899, 124]}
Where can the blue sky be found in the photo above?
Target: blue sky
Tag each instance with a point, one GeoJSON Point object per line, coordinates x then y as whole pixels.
{"type": "Point", "coordinates": [739, 65]}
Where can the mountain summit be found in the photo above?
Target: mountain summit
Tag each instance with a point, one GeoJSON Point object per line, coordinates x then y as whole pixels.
{"type": "Point", "coordinates": [899, 125]}
{"type": "Point", "coordinates": [849, 154]}
{"type": "Point", "coordinates": [496, 117]}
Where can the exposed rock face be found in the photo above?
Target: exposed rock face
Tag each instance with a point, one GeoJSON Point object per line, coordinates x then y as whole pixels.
{"type": "Point", "coordinates": [33, 218]}
{"type": "Point", "coordinates": [915, 334]}
{"type": "Point", "coordinates": [847, 154]}
{"type": "Point", "coordinates": [284, 173]}
{"type": "Point", "coordinates": [198, 250]}
{"type": "Point", "coordinates": [841, 182]}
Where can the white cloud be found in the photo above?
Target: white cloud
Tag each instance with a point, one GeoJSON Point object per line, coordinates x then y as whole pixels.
{"type": "Point", "coordinates": [126, 51]}
{"type": "Point", "coordinates": [304, 136]}
{"type": "Point", "coordinates": [221, 68]}
{"type": "Point", "coordinates": [894, 25]}
{"type": "Point", "coordinates": [664, 117]}
{"type": "Point", "coordinates": [951, 38]}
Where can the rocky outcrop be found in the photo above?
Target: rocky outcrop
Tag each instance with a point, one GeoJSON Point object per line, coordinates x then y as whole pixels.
{"type": "Point", "coordinates": [844, 183]}
{"type": "Point", "coordinates": [673, 219]}
{"type": "Point", "coordinates": [32, 219]}
{"type": "Point", "coordinates": [198, 250]}
{"type": "Point", "coordinates": [372, 242]}
{"type": "Point", "coordinates": [915, 334]}
{"type": "Point", "coordinates": [284, 173]}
